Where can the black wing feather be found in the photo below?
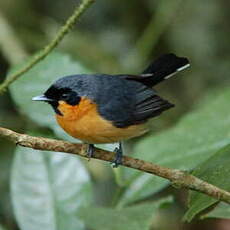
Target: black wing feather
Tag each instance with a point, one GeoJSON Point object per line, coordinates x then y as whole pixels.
{"type": "Point", "coordinates": [149, 105]}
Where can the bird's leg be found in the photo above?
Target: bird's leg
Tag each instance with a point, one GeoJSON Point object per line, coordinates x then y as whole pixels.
{"type": "Point", "coordinates": [118, 157]}
{"type": "Point", "coordinates": [90, 151]}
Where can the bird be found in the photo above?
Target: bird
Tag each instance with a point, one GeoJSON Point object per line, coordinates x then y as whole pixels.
{"type": "Point", "coordinates": [103, 108]}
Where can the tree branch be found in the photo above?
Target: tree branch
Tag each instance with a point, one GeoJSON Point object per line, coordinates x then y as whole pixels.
{"type": "Point", "coordinates": [177, 177]}
{"type": "Point", "coordinates": [47, 49]}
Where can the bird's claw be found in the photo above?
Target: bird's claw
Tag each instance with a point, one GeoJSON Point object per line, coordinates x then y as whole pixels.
{"type": "Point", "coordinates": [90, 151]}
{"type": "Point", "coordinates": [118, 157]}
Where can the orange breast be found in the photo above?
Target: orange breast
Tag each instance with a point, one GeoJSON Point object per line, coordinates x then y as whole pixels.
{"type": "Point", "coordinates": [84, 122]}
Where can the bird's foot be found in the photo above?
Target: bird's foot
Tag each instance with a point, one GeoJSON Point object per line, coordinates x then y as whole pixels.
{"type": "Point", "coordinates": [118, 157]}
{"type": "Point", "coordinates": [90, 151]}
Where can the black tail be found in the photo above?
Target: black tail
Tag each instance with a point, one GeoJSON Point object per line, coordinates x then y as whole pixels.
{"type": "Point", "coordinates": [164, 67]}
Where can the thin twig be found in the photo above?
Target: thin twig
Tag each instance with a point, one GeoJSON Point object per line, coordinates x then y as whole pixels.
{"type": "Point", "coordinates": [47, 49]}
{"type": "Point", "coordinates": [177, 177]}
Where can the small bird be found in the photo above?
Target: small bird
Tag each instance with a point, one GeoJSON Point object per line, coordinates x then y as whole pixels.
{"type": "Point", "coordinates": [102, 108]}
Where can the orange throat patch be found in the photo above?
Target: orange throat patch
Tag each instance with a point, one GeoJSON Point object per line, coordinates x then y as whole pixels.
{"type": "Point", "coordinates": [83, 122]}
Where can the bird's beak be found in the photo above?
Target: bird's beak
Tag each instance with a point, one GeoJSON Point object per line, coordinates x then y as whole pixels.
{"type": "Point", "coordinates": [42, 98]}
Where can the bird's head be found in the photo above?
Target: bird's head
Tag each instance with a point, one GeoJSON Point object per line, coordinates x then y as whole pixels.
{"type": "Point", "coordinates": [61, 91]}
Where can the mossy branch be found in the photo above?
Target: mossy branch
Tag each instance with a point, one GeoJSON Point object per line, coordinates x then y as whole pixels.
{"type": "Point", "coordinates": [177, 177]}
{"type": "Point", "coordinates": [47, 49]}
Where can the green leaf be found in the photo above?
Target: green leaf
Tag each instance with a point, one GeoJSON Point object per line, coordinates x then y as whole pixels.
{"type": "Point", "coordinates": [195, 138]}
{"type": "Point", "coordinates": [36, 82]}
{"type": "Point", "coordinates": [132, 218]}
{"type": "Point", "coordinates": [221, 211]}
{"type": "Point", "coordinates": [215, 171]}
{"type": "Point", "coordinates": [2, 228]}
{"type": "Point", "coordinates": [48, 189]}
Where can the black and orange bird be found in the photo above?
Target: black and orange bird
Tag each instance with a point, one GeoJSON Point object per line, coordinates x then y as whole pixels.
{"type": "Point", "coordinates": [101, 108]}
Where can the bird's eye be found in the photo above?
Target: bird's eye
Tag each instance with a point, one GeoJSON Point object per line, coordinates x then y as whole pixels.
{"type": "Point", "coordinates": [70, 98]}
{"type": "Point", "coordinates": [65, 96]}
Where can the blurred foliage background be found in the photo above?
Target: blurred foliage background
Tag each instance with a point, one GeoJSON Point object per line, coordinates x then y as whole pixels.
{"type": "Point", "coordinates": [58, 192]}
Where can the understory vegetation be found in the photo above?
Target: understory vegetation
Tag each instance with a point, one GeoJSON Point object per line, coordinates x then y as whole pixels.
{"type": "Point", "coordinates": [57, 191]}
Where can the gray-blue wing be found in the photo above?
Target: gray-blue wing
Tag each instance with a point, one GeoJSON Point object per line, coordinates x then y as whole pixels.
{"type": "Point", "coordinates": [129, 102]}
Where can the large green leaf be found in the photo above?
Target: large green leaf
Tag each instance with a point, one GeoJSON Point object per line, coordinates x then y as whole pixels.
{"type": "Point", "coordinates": [36, 81]}
{"type": "Point", "coordinates": [132, 218]}
{"type": "Point", "coordinates": [195, 138]}
{"type": "Point", "coordinates": [221, 211]}
{"type": "Point", "coordinates": [2, 228]}
{"type": "Point", "coordinates": [216, 171]}
{"type": "Point", "coordinates": [48, 189]}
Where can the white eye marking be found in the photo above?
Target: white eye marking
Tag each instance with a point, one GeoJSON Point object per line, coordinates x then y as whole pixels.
{"type": "Point", "coordinates": [65, 95]}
